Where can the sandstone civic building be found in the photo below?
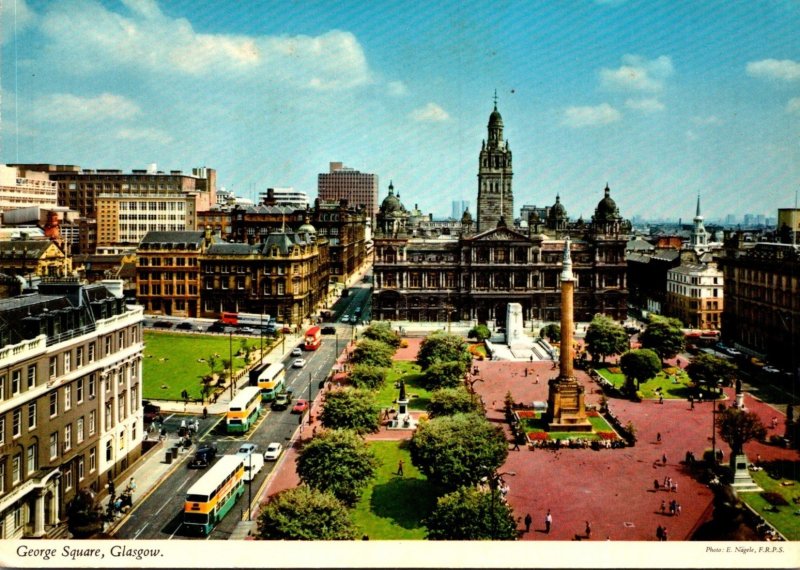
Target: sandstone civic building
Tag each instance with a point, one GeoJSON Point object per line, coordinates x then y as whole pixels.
{"type": "Point", "coordinates": [472, 270]}
{"type": "Point", "coordinates": [70, 400]}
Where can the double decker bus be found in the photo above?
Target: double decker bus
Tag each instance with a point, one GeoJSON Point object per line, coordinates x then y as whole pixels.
{"type": "Point", "coordinates": [243, 410]}
{"type": "Point", "coordinates": [313, 338]}
{"type": "Point", "coordinates": [271, 381]}
{"type": "Point", "coordinates": [246, 320]}
{"type": "Point", "coordinates": [214, 494]}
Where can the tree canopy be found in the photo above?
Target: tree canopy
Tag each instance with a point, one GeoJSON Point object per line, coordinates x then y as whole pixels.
{"type": "Point", "coordinates": [351, 409]}
{"type": "Point", "coordinates": [737, 427]}
{"type": "Point", "coordinates": [304, 513]}
{"type": "Point", "coordinates": [450, 401]}
{"type": "Point", "coordinates": [85, 516]}
{"type": "Point", "coordinates": [372, 353]}
{"type": "Point", "coordinates": [639, 365]}
{"type": "Point", "coordinates": [458, 450]}
{"type": "Point", "coordinates": [479, 333]}
{"type": "Point", "coordinates": [470, 513]}
{"type": "Point", "coordinates": [366, 376]}
{"type": "Point", "coordinates": [664, 335]}
{"type": "Point", "coordinates": [551, 332]}
{"type": "Point", "coordinates": [605, 337]}
{"type": "Point", "coordinates": [383, 332]}
{"type": "Point", "coordinates": [445, 375]}
{"type": "Point", "coordinates": [440, 346]}
{"type": "Point", "coordinates": [338, 461]}
{"type": "Point", "coordinates": [711, 371]}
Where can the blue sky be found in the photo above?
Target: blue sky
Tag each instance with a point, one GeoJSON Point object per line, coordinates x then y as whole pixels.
{"type": "Point", "coordinates": [662, 100]}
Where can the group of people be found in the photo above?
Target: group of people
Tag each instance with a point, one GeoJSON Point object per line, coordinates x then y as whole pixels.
{"type": "Point", "coordinates": [674, 507]}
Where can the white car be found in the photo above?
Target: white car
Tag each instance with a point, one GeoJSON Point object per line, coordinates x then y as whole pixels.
{"type": "Point", "coordinates": [273, 451]}
{"type": "Point", "coordinates": [247, 330]}
{"type": "Point", "coordinates": [246, 449]}
{"type": "Point", "coordinates": [345, 319]}
{"type": "Point", "coordinates": [298, 363]}
{"type": "Point", "coordinates": [770, 369]}
{"type": "Point", "coordinates": [297, 352]}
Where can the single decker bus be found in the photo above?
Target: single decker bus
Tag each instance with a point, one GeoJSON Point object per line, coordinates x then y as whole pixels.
{"type": "Point", "coordinates": [313, 338]}
{"type": "Point", "coordinates": [244, 409]}
{"type": "Point", "coordinates": [214, 494]}
{"type": "Point", "coordinates": [271, 381]}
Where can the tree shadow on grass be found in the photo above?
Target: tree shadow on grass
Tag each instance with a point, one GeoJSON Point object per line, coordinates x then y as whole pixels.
{"type": "Point", "coordinates": [405, 501]}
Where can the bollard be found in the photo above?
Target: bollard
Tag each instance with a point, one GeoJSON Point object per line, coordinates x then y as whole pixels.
{"type": "Point", "coordinates": [168, 457]}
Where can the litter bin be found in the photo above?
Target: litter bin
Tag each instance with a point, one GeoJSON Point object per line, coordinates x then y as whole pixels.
{"type": "Point", "coordinates": [168, 457]}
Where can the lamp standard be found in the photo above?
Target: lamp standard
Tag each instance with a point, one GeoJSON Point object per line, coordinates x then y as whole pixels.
{"type": "Point", "coordinates": [494, 480]}
{"type": "Point", "coordinates": [309, 399]}
{"type": "Point", "coordinates": [714, 426]}
{"type": "Point", "coordinates": [250, 485]}
{"type": "Point", "coordinates": [230, 361]}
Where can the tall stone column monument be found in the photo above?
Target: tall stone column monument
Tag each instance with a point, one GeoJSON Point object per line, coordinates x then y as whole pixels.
{"type": "Point", "coordinates": [566, 410]}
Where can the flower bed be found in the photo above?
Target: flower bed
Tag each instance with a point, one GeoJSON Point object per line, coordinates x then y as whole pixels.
{"type": "Point", "coordinates": [537, 435]}
{"type": "Point", "coordinates": [526, 414]}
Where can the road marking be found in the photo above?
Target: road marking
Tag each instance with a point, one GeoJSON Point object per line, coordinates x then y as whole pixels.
{"type": "Point", "coordinates": [177, 528]}
{"type": "Point", "coordinates": [167, 419]}
{"type": "Point", "coordinates": [141, 530]}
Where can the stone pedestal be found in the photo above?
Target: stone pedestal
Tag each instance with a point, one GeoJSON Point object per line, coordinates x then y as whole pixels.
{"type": "Point", "coordinates": [742, 481]}
{"type": "Point", "coordinates": [740, 400]}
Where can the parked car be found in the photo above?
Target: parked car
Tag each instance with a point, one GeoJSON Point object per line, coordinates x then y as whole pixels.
{"type": "Point", "coordinates": [246, 449]}
{"type": "Point", "coordinates": [345, 318]}
{"type": "Point", "coordinates": [162, 325]}
{"type": "Point", "coordinates": [184, 326]}
{"type": "Point", "coordinates": [273, 451]}
{"type": "Point", "coordinates": [328, 330]}
{"type": "Point", "coordinates": [203, 456]}
{"type": "Point", "coordinates": [771, 369]}
{"type": "Point", "coordinates": [247, 330]}
{"type": "Point", "coordinates": [216, 328]}
{"type": "Point", "coordinates": [282, 401]}
{"type": "Point", "coordinates": [298, 363]}
{"type": "Point", "coordinates": [300, 406]}
{"type": "Point", "coordinates": [297, 351]}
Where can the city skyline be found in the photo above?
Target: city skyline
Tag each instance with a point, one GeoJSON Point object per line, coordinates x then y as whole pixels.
{"type": "Point", "coordinates": [662, 102]}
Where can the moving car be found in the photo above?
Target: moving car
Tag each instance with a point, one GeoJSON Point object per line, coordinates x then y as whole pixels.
{"type": "Point", "coordinates": [298, 363]}
{"type": "Point", "coordinates": [300, 406]}
{"type": "Point", "coordinates": [203, 456]}
{"type": "Point", "coordinates": [252, 465]}
{"type": "Point", "coordinates": [246, 449]}
{"type": "Point", "coordinates": [273, 451]}
{"type": "Point", "coordinates": [297, 352]}
{"type": "Point", "coordinates": [282, 401]}
{"type": "Point", "coordinates": [328, 330]}
{"type": "Point", "coordinates": [345, 318]}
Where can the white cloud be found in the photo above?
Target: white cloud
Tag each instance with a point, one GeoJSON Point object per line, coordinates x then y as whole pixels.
{"type": "Point", "coordinates": [92, 38]}
{"type": "Point", "coordinates": [64, 107]}
{"type": "Point", "coordinates": [430, 113]}
{"type": "Point", "coordinates": [637, 74]}
{"type": "Point", "coordinates": [397, 88]}
{"type": "Point", "coordinates": [783, 69]}
{"type": "Point", "coordinates": [648, 105]}
{"type": "Point", "coordinates": [793, 106]}
{"type": "Point", "coordinates": [14, 15]}
{"type": "Point", "coordinates": [603, 114]}
{"type": "Point", "coordinates": [144, 134]}
{"type": "Point", "coordinates": [710, 120]}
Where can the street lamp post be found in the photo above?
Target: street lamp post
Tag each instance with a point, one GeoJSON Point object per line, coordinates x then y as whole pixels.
{"type": "Point", "coordinates": [230, 361]}
{"type": "Point", "coordinates": [494, 479]}
{"type": "Point", "coordinates": [714, 428]}
{"type": "Point", "coordinates": [309, 399]}
{"type": "Point", "coordinates": [250, 486]}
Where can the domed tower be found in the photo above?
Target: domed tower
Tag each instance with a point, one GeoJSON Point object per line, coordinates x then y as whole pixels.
{"type": "Point", "coordinates": [606, 217]}
{"type": "Point", "coordinates": [495, 198]}
{"type": "Point", "coordinates": [392, 216]}
{"type": "Point", "coordinates": [557, 216]}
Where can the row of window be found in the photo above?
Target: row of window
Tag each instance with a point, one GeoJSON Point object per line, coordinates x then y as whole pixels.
{"type": "Point", "coordinates": [166, 261]}
{"type": "Point", "coordinates": [160, 206]}
{"type": "Point", "coordinates": [168, 289]}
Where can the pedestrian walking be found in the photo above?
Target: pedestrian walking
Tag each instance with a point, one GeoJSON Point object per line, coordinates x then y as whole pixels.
{"type": "Point", "coordinates": [658, 437]}
{"type": "Point", "coordinates": [660, 398]}
{"type": "Point", "coordinates": [516, 444]}
{"type": "Point", "coordinates": [548, 521]}
{"type": "Point", "coordinates": [528, 522]}
{"type": "Point", "coordinates": [205, 413]}
{"type": "Point", "coordinates": [663, 506]}
{"type": "Point", "coordinates": [588, 530]}
{"type": "Point", "coordinates": [400, 468]}
{"type": "Point", "coordinates": [655, 484]}
{"type": "Point", "coordinates": [664, 534]}
{"type": "Point", "coordinates": [664, 458]}
{"type": "Point", "coordinates": [691, 404]}
{"type": "Point", "coordinates": [659, 533]}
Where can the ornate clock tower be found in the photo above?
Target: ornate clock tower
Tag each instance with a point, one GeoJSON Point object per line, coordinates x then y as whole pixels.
{"type": "Point", "coordinates": [495, 199]}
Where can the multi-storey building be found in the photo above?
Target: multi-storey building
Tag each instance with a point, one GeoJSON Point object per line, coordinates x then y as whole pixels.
{"type": "Point", "coordinates": [762, 300]}
{"type": "Point", "coordinates": [34, 258]}
{"type": "Point", "coordinates": [21, 187]}
{"type": "Point", "coordinates": [694, 295]}
{"type": "Point", "coordinates": [70, 400]}
{"type": "Point", "coordinates": [296, 199]}
{"type": "Point", "coordinates": [168, 272]}
{"type": "Point", "coordinates": [127, 218]}
{"type": "Point", "coordinates": [218, 220]}
{"type": "Point", "coordinates": [360, 189]}
{"type": "Point", "coordinates": [283, 276]}
{"type": "Point", "coordinates": [438, 274]}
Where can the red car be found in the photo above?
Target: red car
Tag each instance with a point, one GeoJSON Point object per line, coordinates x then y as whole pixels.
{"type": "Point", "coordinates": [300, 406]}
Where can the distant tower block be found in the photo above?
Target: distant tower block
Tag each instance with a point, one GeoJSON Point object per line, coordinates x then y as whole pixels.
{"type": "Point", "coordinates": [566, 410]}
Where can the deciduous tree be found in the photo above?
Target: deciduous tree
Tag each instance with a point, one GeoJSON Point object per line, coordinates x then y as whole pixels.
{"type": "Point", "coordinates": [442, 347]}
{"type": "Point", "coordinates": [664, 335]}
{"type": "Point", "coordinates": [458, 450]}
{"type": "Point", "coordinates": [365, 376]}
{"type": "Point", "coordinates": [479, 333]}
{"type": "Point", "coordinates": [445, 375]}
{"type": "Point", "coordinates": [351, 409]}
{"type": "Point", "coordinates": [304, 513]}
{"type": "Point", "coordinates": [605, 337]}
{"type": "Point", "coordinates": [711, 371]}
{"type": "Point", "coordinates": [383, 332]}
{"type": "Point", "coordinates": [737, 427]}
{"type": "Point", "coordinates": [372, 353]}
{"type": "Point", "coordinates": [450, 401]}
{"type": "Point", "coordinates": [551, 332]}
{"type": "Point", "coordinates": [639, 366]}
{"type": "Point", "coordinates": [338, 461]}
{"type": "Point", "coordinates": [470, 513]}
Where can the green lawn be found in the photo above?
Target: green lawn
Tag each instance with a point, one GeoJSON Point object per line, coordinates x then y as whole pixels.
{"type": "Point", "coordinates": [538, 425]}
{"type": "Point", "coordinates": [410, 372]}
{"type": "Point", "coordinates": [785, 519]}
{"type": "Point", "coordinates": [663, 380]}
{"type": "Point", "coordinates": [171, 362]}
{"type": "Point", "coordinates": [393, 506]}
